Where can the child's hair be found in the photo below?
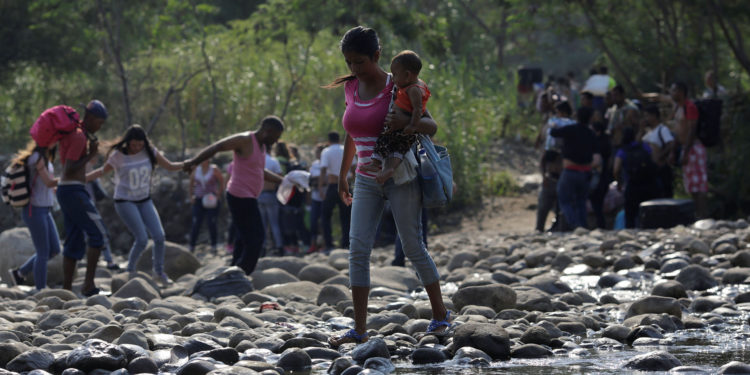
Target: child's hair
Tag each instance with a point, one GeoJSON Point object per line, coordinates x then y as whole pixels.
{"type": "Point", "coordinates": [282, 150]}
{"type": "Point", "coordinates": [137, 133]}
{"type": "Point", "coordinates": [334, 137]}
{"type": "Point", "coordinates": [564, 108]}
{"type": "Point", "coordinates": [360, 40]}
{"type": "Point", "coordinates": [587, 95]}
{"type": "Point", "coordinates": [48, 154]}
{"type": "Point", "coordinates": [409, 60]}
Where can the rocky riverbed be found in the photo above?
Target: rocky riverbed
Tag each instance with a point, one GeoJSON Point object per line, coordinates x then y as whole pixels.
{"type": "Point", "coordinates": [670, 301]}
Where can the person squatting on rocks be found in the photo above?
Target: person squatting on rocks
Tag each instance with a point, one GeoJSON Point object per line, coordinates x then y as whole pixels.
{"type": "Point", "coordinates": [37, 214]}
{"type": "Point", "coordinates": [83, 224]}
{"type": "Point", "coordinates": [206, 190]}
{"type": "Point", "coordinates": [133, 158]}
{"type": "Point", "coordinates": [245, 185]}
{"type": "Point", "coordinates": [368, 95]}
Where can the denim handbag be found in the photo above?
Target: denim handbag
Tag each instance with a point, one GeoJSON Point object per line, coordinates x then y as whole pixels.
{"type": "Point", "coordinates": [435, 173]}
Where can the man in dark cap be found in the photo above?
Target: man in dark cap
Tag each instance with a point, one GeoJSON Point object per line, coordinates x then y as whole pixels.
{"type": "Point", "coordinates": [82, 221]}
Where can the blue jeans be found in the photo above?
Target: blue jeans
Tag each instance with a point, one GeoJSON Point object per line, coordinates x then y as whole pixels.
{"type": "Point", "coordinates": [398, 251]}
{"type": "Point", "coordinates": [269, 208]}
{"type": "Point", "coordinates": [200, 212]}
{"type": "Point", "coordinates": [143, 220]}
{"type": "Point", "coordinates": [46, 243]}
{"type": "Point", "coordinates": [572, 193]}
{"type": "Point", "coordinates": [367, 207]}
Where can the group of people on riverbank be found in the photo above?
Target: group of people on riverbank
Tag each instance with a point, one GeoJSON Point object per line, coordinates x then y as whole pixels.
{"type": "Point", "coordinates": [383, 113]}
{"type": "Point", "coordinates": [637, 143]}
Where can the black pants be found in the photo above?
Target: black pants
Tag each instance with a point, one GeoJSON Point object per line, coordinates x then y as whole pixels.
{"type": "Point", "coordinates": [248, 242]}
{"type": "Point", "coordinates": [331, 200]}
{"type": "Point", "coordinates": [666, 178]}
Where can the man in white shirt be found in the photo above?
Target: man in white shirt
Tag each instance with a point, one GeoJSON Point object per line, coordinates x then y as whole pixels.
{"type": "Point", "coordinates": [330, 165]}
{"type": "Point", "coordinates": [662, 144]}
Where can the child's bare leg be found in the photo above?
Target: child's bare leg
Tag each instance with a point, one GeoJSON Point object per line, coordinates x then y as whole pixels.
{"type": "Point", "coordinates": [387, 172]}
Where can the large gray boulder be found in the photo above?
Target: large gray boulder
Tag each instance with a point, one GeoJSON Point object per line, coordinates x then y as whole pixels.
{"type": "Point", "coordinates": [15, 248]}
{"type": "Point", "coordinates": [178, 260]}
{"type": "Point", "coordinates": [489, 338]}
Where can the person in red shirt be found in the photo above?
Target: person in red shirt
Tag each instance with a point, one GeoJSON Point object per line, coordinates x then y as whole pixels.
{"type": "Point", "coordinates": [83, 224]}
{"type": "Point", "coordinates": [693, 157]}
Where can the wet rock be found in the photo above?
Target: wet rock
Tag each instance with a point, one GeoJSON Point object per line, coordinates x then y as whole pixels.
{"type": "Point", "coordinates": [532, 299]}
{"type": "Point", "coordinates": [423, 356]}
{"type": "Point", "coordinates": [654, 305]}
{"type": "Point", "coordinates": [609, 280]}
{"type": "Point", "coordinates": [317, 273]}
{"type": "Point", "coordinates": [339, 365]}
{"type": "Point", "coordinates": [142, 365]}
{"type": "Point", "coordinates": [595, 261]}
{"type": "Point", "coordinates": [228, 356]}
{"type": "Point", "coordinates": [548, 284]}
{"type": "Point", "coordinates": [133, 303]}
{"type": "Point", "coordinates": [616, 332]}
{"type": "Point", "coordinates": [653, 361]}
{"type": "Point", "coordinates": [223, 282]}
{"type": "Point", "coordinates": [468, 353]}
{"type": "Point", "coordinates": [735, 367]}
{"type": "Point", "coordinates": [496, 296]}
{"type": "Point", "coordinates": [695, 277]}
{"type": "Point", "coordinates": [133, 337]}
{"type": "Point", "coordinates": [536, 335]}
{"type": "Point", "coordinates": [384, 365]}
{"type": "Point", "coordinates": [196, 367]}
{"type": "Point", "coordinates": [530, 351]}
{"type": "Point", "coordinates": [643, 331]}
{"type": "Point", "coordinates": [380, 320]}
{"type": "Point", "coordinates": [461, 258]}
{"type": "Point", "coordinates": [669, 288]}
{"type": "Point", "coordinates": [662, 321]}
{"type": "Point", "coordinates": [489, 338]}
{"type": "Point", "coordinates": [741, 259]}
{"type": "Point", "coordinates": [375, 347]}
{"type": "Point", "coordinates": [396, 278]}
{"type": "Point", "coordinates": [96, 354]}
{"type": "Point", "coordinates": [692, 370]}
{"type": "Point", "coordinates": [31, 360]}
{"type": "Point", "coordinates": [673, 265]}
{"type": "Point", "coordinates": [108, 333]}
{"type": "Point", "coordinates": [574, 328]}
{"type": "Point", "coordinates": [736, 276]}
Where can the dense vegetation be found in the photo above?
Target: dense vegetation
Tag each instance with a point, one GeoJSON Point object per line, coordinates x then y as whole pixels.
{"type": "Point", "coordinates": [192, 71]}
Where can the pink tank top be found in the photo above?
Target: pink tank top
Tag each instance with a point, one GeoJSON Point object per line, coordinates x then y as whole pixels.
{"type": "Point", "coordinates": [364, 120]}
{"type": "Point", "coordinates": [246, 180]}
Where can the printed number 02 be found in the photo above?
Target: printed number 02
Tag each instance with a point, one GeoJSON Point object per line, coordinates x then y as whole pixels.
{"type": "Point", "coordinates": [139, 178]}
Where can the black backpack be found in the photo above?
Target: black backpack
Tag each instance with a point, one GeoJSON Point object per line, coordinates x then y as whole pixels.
{"type": "Point", "coordinates": [708, 127]}
{"type": "Point", "coordinates": [639, 165]}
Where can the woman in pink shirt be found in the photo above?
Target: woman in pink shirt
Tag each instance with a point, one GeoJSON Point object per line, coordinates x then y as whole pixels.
{"type": "Point", "coordinates": [368, 91]}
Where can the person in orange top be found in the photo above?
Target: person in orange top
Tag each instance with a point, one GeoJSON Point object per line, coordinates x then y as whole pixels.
{"type": "Point", "coordinates": [411, 98]}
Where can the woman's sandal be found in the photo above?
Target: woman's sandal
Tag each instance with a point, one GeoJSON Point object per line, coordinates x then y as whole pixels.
{"type": "Point", "coordinates": [350, 336]}
{"type": "Point", "coordinates": [435, 325]}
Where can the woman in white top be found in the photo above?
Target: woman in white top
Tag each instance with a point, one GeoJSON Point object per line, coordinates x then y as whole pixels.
{"type": "Point", "coordinates": [38, 213]}
{"type": "Point", "coordinates": [206, 185]}
{"type": "Point", "coordinates": [133, 159]}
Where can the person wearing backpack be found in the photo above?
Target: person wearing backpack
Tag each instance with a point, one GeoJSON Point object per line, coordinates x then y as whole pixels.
{"type": "Point", "coordinates": [662, 143]}
{"type": "Point", "coordinates": [693, 156]}
{"type": "Point", "coordinates": [636, 171]}
{"type": "Point", "coordinates": [84, 228]}
{"type": "Point", "coordinates": [37, 214]}
{"type": "Point", "coordinates": [133, 158]}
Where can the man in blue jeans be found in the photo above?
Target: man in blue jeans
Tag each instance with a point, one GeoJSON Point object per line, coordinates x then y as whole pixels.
{"type": "Point", "coordinates": [330, 165]}
{"type": "Point", "coordinates": [83, 224]}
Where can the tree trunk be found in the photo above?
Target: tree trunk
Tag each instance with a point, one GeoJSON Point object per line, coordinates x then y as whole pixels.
{"type": "Point", "coordinates": [733, 36]}
{"type": "Point", "coordinates": [112, 44]}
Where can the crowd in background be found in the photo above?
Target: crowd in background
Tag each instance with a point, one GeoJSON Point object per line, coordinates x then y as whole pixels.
{"type": "Point", "coordinates": [605, 152]}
